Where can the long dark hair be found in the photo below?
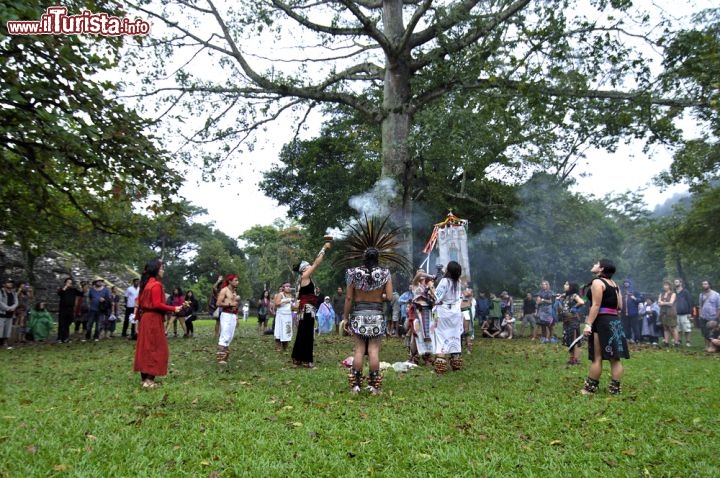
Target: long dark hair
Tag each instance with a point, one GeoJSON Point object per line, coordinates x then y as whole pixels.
{"type": "Point", "coordinates": [152, 268]}
{"type": "Point", "coordinates": [573, 288]}
{"type": "Point", "coordinates": [453, 270]}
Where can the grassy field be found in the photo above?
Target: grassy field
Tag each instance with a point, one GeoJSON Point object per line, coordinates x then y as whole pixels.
{"type": "Point", "coordinates": [515, 410]}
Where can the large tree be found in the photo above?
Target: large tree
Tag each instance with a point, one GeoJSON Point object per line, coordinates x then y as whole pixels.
{"type": "Point", "coordinates": [76, 161]}
{"type": "Point", "coordinates": [582, 64]}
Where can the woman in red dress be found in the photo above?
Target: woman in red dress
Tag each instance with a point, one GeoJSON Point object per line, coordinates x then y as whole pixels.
{"type": "Point", "coordinates": [151, 351]}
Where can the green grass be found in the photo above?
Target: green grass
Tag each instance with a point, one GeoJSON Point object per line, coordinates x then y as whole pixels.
{"type": "Point", "coordinates": [78, 410]}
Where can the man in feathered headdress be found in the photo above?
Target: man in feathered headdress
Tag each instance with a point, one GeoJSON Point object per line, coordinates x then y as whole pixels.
{"type": "Point", "coordinates": [368, 287]}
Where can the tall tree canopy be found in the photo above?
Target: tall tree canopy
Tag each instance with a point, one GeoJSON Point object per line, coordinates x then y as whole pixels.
{"type": "Point", "coordinates": [574, 71]}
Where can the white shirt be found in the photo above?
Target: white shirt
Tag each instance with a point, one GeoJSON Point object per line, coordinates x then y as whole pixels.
{"type": "Point", "coordinates": [131, 295]}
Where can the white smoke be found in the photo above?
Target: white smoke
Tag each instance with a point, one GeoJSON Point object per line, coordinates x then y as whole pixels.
{"type": "Point", "coordinates": [335, 233]}
{"type": "Point", "coordinates": [375, 202]}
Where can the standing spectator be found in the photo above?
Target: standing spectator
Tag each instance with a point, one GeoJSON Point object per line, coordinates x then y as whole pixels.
{"type": "Point", "coordinates": [40, 323]}
{"type": "Point", "coordinates": [709, 302]}
{"type": "Point", "coordinates": [545, 300]}
{"type": "Point", "coordinates": [68, 296]}
{"type": "Point", "coordinates": [98, 308]}
{"type": "Point", "coordinates": [302, 353]}
{"type": "Point", "coordinates": [650, 323]}
{"type": "Point", "coordinates": [191, 307]}
{"type": "Point", "coordinates": [177, 298]}
{"type": "Point", "coordinates": [494, 312]}
{"type": "Point", "coordinates": [482, 308]}
{"type": "Point", "coordinates": [325, 316]}
{"type": "Point", "coordinates": [81, 308]}
{"type": "Point", "coordinates": [131, 295]}
{"type": "Point", "coordinates": [338, 303]}
{"type": "Point", "coordinates": [466, 307]}
{"type": "Point", "coordinates": [449, 322]}
{"type": "Point", "coordinates": [212, 304]}
{"type": "Point", "coordinates": [25, 298]}
{"type": "Point", "coordinates": [394, 314]}
{"type": "Point", "coordinates": [404, 301]}
{"type": "Point", "coordinates": [8, 304]}
{"type": "Point", "coordinates": [668, 314]}
{"type": "Point", "coordinates": [151, 351]}
{"type": "Point", "coordinates": [228, 302]}
{"type": "Point", "coordinates": [263, 306]}
{"type": "Point", "coordinates": [606, 339]}
{"type": "Point", "coordinates": [570, 306]}
{"type": "Point", "coordinates": [632, 322]}
{"type": "Point", "coordinates": [246, 311]}
{"type": "Point", "coordinates": [283, 317]}
{"type": "Point", "coordinates": [683, 306]}
{"type": "Point", "coordinates": [529, 311]}
{"type": "Point", "coordinates": [113, 313]}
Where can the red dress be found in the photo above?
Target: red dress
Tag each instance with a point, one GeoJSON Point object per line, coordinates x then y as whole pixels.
{"type": "Point", "coordinates": [151, 351]}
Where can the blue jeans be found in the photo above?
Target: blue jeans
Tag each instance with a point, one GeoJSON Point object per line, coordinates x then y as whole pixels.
{"type": "Point", "coordinates": [94, 317]}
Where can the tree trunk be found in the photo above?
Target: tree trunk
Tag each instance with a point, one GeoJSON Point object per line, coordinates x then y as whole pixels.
{"type": "Point", "coordinates": [397, 163]}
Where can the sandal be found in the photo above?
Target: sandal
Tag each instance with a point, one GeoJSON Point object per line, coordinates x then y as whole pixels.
{"type": "Point", "coordinates": [309, 365]}
{"type": "Point", "coordinates": [150, 384]}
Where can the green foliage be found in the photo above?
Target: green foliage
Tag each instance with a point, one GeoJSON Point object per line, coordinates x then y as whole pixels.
{"type": "Point", "coordinates": [316, 177]}
{"type": "Point", "coordinates": [514, 410]}
{"type": "Point", "coordinates": [692, 65]}
{"type": "Point", "coordinates": [75, 159]}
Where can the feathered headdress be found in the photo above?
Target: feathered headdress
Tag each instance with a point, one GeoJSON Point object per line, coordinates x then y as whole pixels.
{"type": "Point", "coordinates": [372, 234]}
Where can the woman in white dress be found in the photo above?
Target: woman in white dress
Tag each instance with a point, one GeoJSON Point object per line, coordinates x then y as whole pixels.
{"type": "Point", "coordinates": [448, 326]}
{"type": "Point", "coordinates": [283, 317]}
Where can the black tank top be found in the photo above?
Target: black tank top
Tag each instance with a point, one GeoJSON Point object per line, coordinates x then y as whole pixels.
{"type": "Point", "coordinates": [307, 289]}
{"type": "Point", "coordinates": [609, 298]}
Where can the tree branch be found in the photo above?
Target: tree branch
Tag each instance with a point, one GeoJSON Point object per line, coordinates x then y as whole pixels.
{"type": "Point", "coordinates": [368, 26]}
{"type": "Point", "coordinates": [290, 12]}
{"type": "Point", "coordinates": [470, 37]}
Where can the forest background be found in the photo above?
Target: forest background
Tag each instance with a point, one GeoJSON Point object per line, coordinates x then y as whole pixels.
{"type": "Point", "coordinates": [482, 108]}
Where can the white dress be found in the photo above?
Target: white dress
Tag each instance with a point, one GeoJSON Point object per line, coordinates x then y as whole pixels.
{"type": "Point", "coordinates": [448, 327]}
{"type": "Point", "coordinates": [283, 323]}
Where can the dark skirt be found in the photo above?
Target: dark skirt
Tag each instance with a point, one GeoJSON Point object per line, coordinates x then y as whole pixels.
{"type": "Point", "coordinates": [151, 350]}
{"type": "Point", "coordinates": [613, 344]}
{"type": "Point", "coordinates": [304, 340]}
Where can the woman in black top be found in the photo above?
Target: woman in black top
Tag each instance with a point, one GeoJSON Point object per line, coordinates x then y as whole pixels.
{"type": "Point", "coordinates": [603, 328]}
{"type": "Point", "coordinates": [302, 353]}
